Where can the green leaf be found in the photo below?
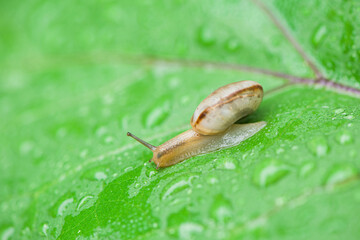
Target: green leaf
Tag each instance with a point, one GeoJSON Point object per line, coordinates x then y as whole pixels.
{"type": "Point", "coordinates": [75, 77]}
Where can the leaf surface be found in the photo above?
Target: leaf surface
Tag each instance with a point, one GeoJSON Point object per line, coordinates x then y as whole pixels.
{"type": "Point", "coordinates": [75, 77]}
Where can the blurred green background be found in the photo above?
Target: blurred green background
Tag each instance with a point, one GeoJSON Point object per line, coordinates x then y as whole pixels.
{"type": "Point", "coordinates": [75, 76]}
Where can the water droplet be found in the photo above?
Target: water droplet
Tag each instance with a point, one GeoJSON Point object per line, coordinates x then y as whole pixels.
{"type": "Point", "coordinates": [125, 122]}
{"type": "Point", "coordinates": [84, 153]}
{"type": "Point", "coordinates": [26, 147]}
{"type": "Point", "coordinates": [7, 233]}
{"type": "Point", "coordinates": [62, 204]}
{"type": "Point", "coordinates": [185, 99]}
{"type": "Point", "coordinates": [156, 115]}
{"type": "Point", "coordinates": [344, 137]}
{"type": "Point", "coordinates": [101, 131]}
{"type": "Point", "coordinates": [61, 132]}
{"type": "Point", "coordinates": [349, 117]}
{"type": "Point", "coordinates": [319, 35]}
{"type": "Point", "coordinates": [280, 201]}
{"type": "Point", "coordinates": [279, 151]}
{"type": "Point", "coordinates": [340, 173]}
{"type": "Point", "coordinates": [174, 82]}
{"type": "Point", "coordinates": [96, 173]}
{"type": "Point", "coordinates": [294, 147]}
{"type": "Point", "coordinates": [339, 110]}
{"type": "Point", "coordinates": [187, 230]}
{"type": "Point", "coordinates": [45, 229]}
{"type": "Point", "coordinates": [257, 224]}
{"type": "Point", "coordinates": [100, 175]}
{"type": "Point", "coordinates": [128, 169]}
{"type": "Point", "coordinates": [269, 172]}
{"type": "Point", "coordinates": [108, 99]}
{"type": "Point", "coordinates": [306, 168]}
{"type": "Point", "coordinates": [206, 36]}
{"type": "Point", "coordinates": [221, 209]}
{"type": "Point", "coordinates": [212, 179]}
{"type": "Point", "coordinates": [149, 170]}
{"type": "Point", "coordinates": [108, 139]}
{"type": "Point", "coordinates": [227, 163]}
{"type": "Point", "coordinates": [232, 44]}
{"type": "Point", "coordinates": [177, 185]}
{"type": "Point", "coordinates": [85, 202]}
{"type": "Point", "coordinates": [318, 146]}
{"type": "Point", "coordinates": [271, 133]}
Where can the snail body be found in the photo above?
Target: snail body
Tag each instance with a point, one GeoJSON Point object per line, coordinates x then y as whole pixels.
{"type": "Point", "coordinates": [212, 124]}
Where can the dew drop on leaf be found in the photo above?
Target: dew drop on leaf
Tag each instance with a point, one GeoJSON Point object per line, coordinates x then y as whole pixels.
{"type": "Point", "coordinates": [84, 153]}
{"type": "Point", "coordinates": [128, 169]}
{"type": "Point", "coordinates": [306, 168]}
{"type": "Point", "coordinates": [84, 202]}
{"type": "Point", "coordinates": [279, 151]}
{"type": "Point", "coordinates": [339, 110]}
{"type": "Point", "coordinates": [318, 35]}
{"type": "Point", "coordinates": [125, 122]}
{"type": "Point", "coordinates": [108, 139]}
{"type": "Point", "coordinates": [96, 173]}
{"type": "Point", "coordinates": [344, 137]}
{"type": "Point", "coordinates": [185, 100]}
{"type": "Point", "coordinates": [188, 230]}
{"type": "Point", "coordinates": [156, 115]}
{"type": "Point", "coordinates": [177, 185]}
{"type": "Point", "coordinates": [206, 36]}
{"type": "Point", "coordinates": [62, 204]}
{"type": "Point", "coordinates": [100, 131]}
{"type": "Point", "coordinates": [8, 233]}
{"type": "Point", "coordinates": [100, 175]}
{"type": "Point", "coordinates": [340, 173]}
{"type": "Point", "coordinates": [318, 146]}
{"type": "Point", "coordinates": [227, 163]}
{"type": "Point", "coordinates": [221, 209]}
{"type": "Point", "coordinates": [149, 170]}
{"type": "Point", "coordinates": [61, 132]}
{"type": "Point", "coordinates": [44, 229]}
{"type": "Point", "coordinates": [26, 147]}
{"type": "Point", "coordinates": [232, 44]}
{"type": "Point", "coordinates": [349, 117]}
{"type": "Point", "coordinates": [270, 172]}
{"type": "Point", "coordinates": [212, 179]}
{"type": "Point", "coordinates": [108, 99]}
{"type": "Point", "coordinates": [173, 82]}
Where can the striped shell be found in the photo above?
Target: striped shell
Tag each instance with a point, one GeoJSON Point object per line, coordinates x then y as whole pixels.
{"type": "Point", "coordinates": [225, 106]}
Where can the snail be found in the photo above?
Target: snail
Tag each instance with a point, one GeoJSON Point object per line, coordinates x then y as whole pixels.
{"type": "Point", "coordinates": [213, 124]}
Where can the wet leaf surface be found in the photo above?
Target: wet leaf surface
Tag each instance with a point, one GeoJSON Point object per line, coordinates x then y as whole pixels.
{"type": "Point", "coordinates": [76, 77]}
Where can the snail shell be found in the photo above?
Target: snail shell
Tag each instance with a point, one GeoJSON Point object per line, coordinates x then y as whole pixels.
{"type": "Point", "coordinates": [212, 124]}
{"type": "Point", "coordinates": [225, 106]}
